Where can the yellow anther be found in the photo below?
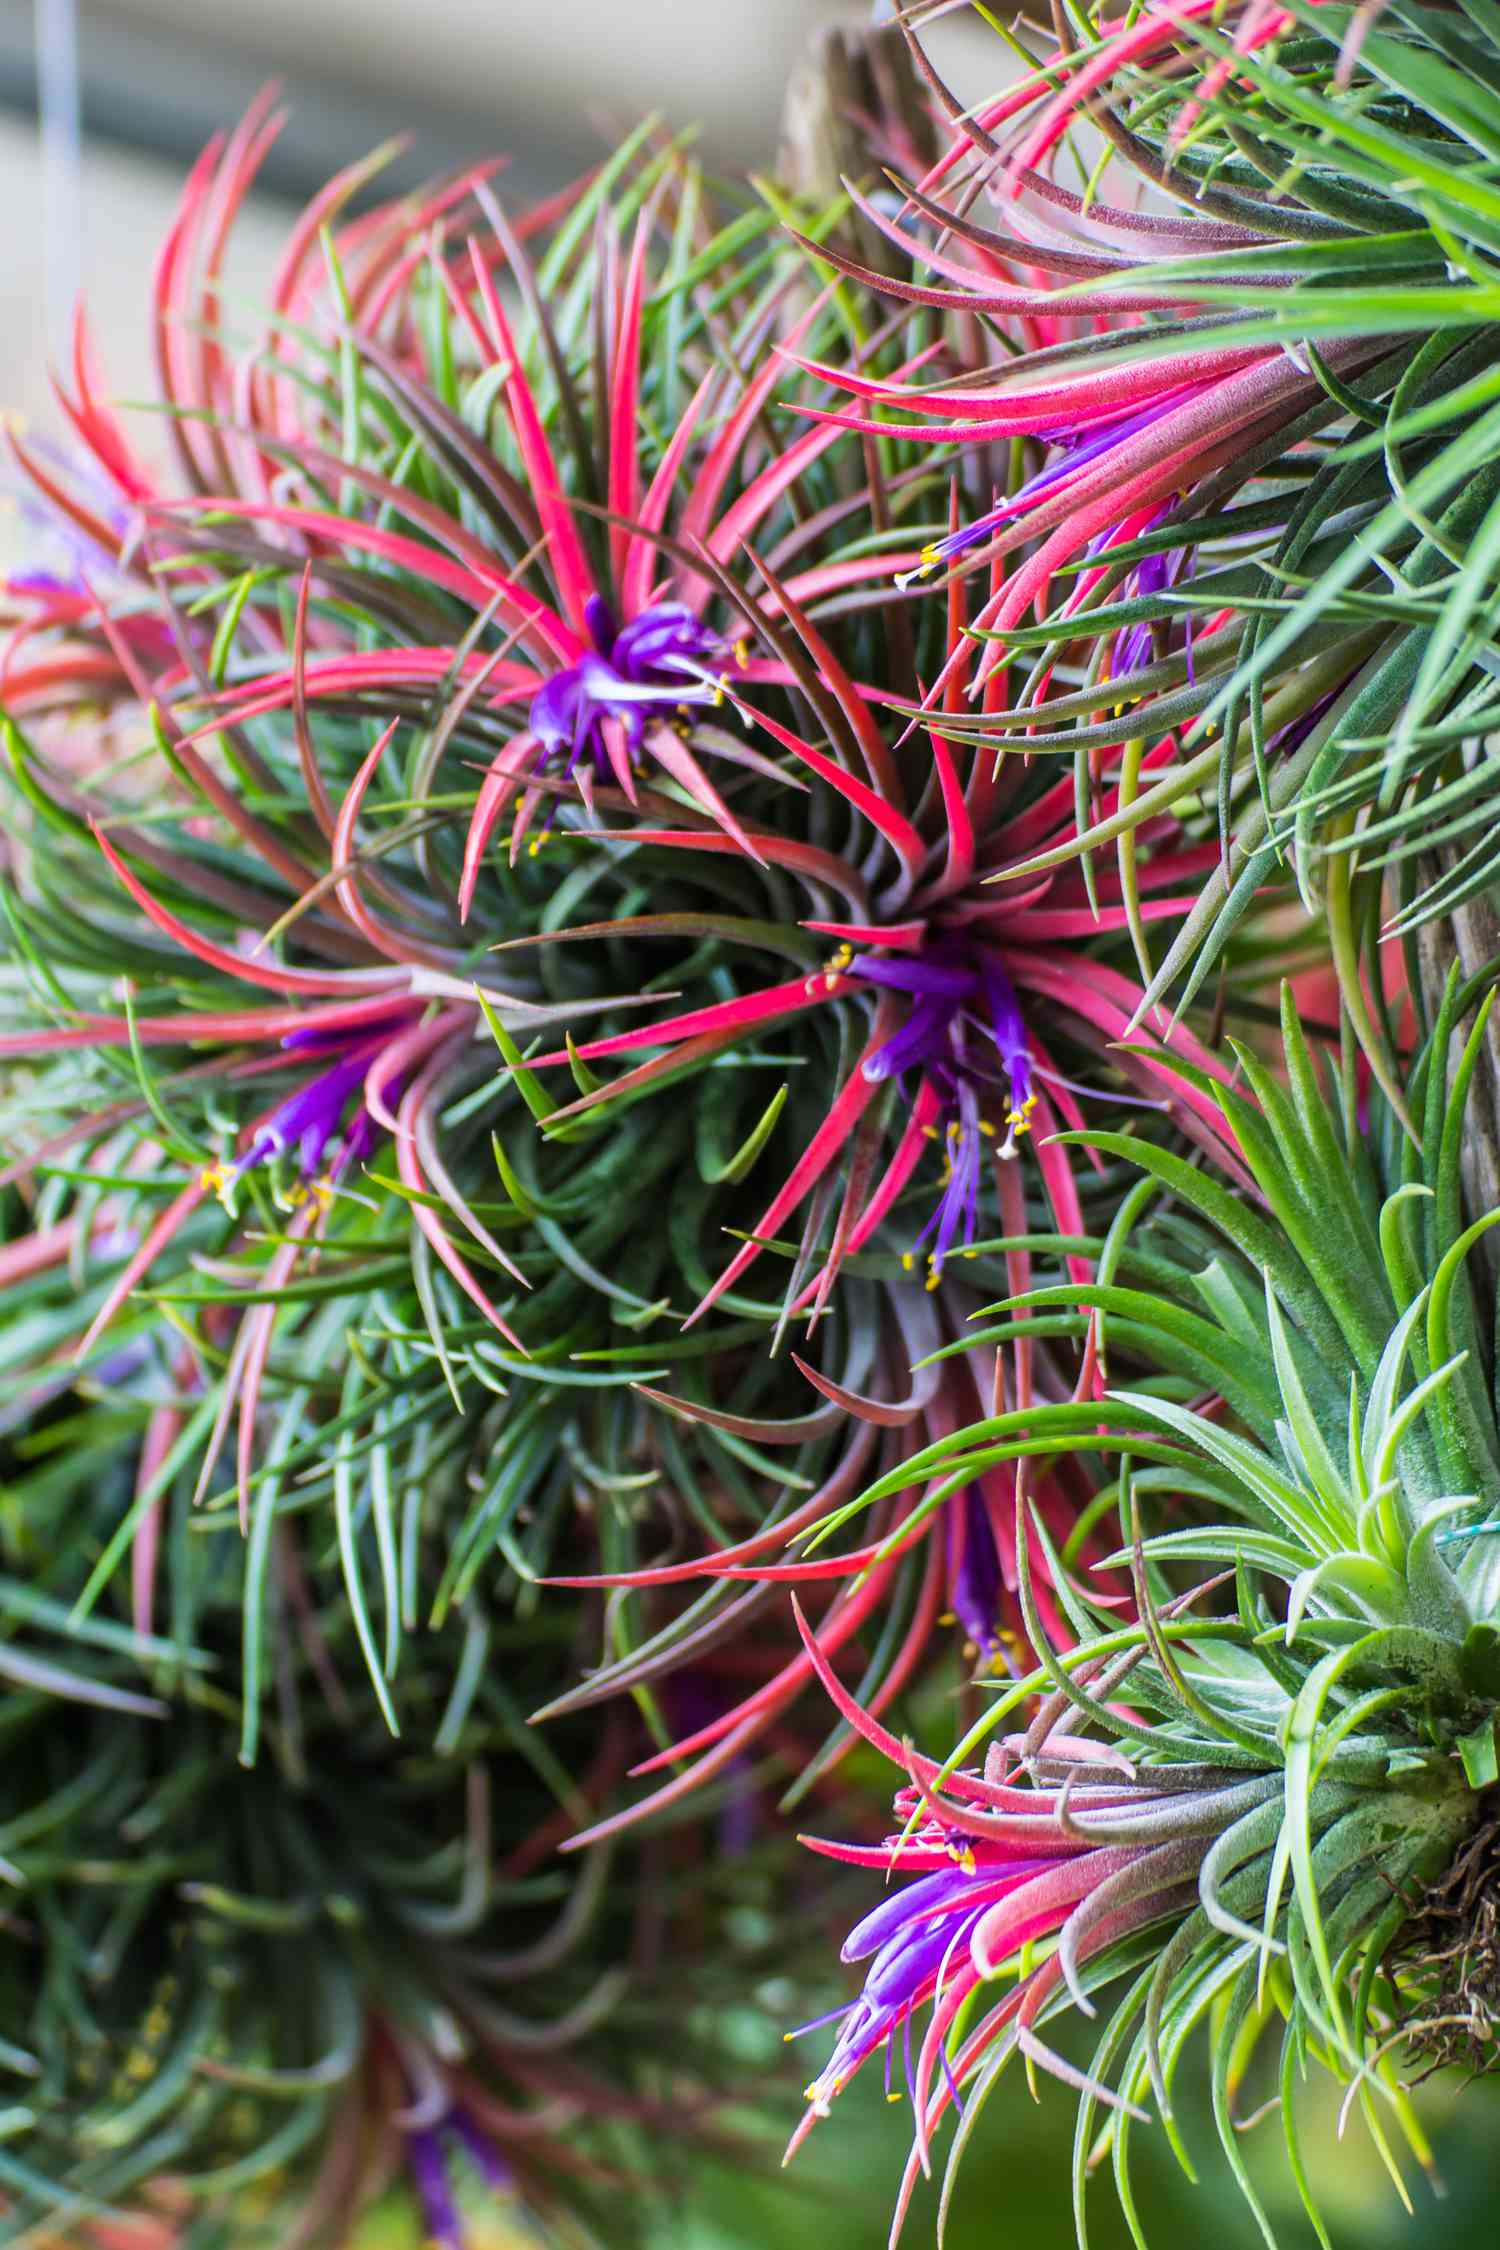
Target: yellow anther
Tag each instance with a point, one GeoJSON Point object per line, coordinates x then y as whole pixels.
{"type": "Point", "coordinates": [834, 967]}
{"type": "Point", "coordinates": [1007, 1645]}
{"type": "Point", "coordinates": [217, 1179]}
{"type": "Point", "coordinates": [542, 836]}
{"type": "Point", "coordinates": [907, 1261]}
{"type": "Point", "coordinates": [986, 1128]}
{"type": "Point", "coordinates": [742, 651]}
{"type": "Point", "coordinates": [927, 562]}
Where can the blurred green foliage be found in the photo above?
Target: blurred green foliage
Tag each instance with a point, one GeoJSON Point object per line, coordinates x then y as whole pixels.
{"type": "Point", "coordinates": [839, 2194]}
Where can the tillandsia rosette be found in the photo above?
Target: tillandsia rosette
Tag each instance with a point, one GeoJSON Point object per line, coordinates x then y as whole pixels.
{"type": "Point", "coordinates": [1265, 1794]}
{"type": "Point", "coordinates": [241, 2005]}
{"type": "Point", "coordinates": [1250, 552]}
{"type": "Point", "coordinates": [473, 867]}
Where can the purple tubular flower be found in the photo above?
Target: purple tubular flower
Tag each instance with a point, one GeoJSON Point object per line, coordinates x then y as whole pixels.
{"type": "Point", "coordinates": [482, 2153]}
{"type": "Point", "coordinates": [1076, 451]}
{"type": "Point", "coordinates": [927, 1896]}
{"type": "Point", "coordinates": [1154, 574]}
{"type": "Point", "coordinates": [428, 2151]}
{"type": "Point", "coordinates": [663, 663]}
{"type": "Point", "coordinates": [978, 1582]}
{"type": "Point", "coordinates": [964, 1020]}
{"type": "Point", "coordinates": [308, 1126]}
{"type": "Point", "coordinates": [916, 1936]}
{"type": "Point", "coordinates": [309, 1119]}
{"type": "Point", "coordinates": [429, 2171]}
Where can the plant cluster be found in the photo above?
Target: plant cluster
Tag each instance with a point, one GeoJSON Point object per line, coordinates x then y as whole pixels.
{"type": "Point", "coordinates": [690, 920]}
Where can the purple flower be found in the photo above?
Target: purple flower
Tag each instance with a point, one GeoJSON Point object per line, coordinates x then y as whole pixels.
{"type": "Point", "coordinates": [1154, 574]}
{"type": "Point", "coordinates": [664, 663]}
{"type": "Point", "coordinates": [1075, 449]}
{"type": "Point", "coordinates": [918, 1937]}
{"type": "Point", "coordinates": [482, 2153]}
{"type": "Point", "coordinates": [429, 2171]}
{"type": "Point", "coordinates": [428, 2150]}
{"type": "Point", "coordinates": [965, 1033]}
{"type": "Point", "coordinates": [978, 1582]}
{"type": "Point", "coordinates": [306, 1135]}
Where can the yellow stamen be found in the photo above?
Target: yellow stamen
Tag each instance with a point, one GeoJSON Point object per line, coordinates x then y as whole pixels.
{"type": "Point", "coordinates": [927, 563]}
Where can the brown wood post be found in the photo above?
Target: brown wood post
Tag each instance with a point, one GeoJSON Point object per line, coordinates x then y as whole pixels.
{"type": "Point", "coordinates": [850, 77]}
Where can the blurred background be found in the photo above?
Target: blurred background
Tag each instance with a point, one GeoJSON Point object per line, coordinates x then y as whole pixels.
{"type": "Point", "coordinates": [103, 103]}
{"type": "Point", "coordinates": [127, 91]}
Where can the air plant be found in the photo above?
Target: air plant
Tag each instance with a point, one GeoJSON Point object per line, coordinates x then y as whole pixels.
{"type": "Point", "coordinates": [481, 763]}
{"type": "Point", "coordinates": [239, 2000]}
{"type": "Point", "coordinates": [1257, 1795]}
{"type": "Point", "coordinates": [241, 2006]}
{"type": "Point", "coordinates": [1256, 527]}
{"type": "Point", "coordinates": [590, 904]}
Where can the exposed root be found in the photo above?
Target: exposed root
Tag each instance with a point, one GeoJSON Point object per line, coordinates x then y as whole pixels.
{"type": "Point", "coordinates": [1447, 1959]}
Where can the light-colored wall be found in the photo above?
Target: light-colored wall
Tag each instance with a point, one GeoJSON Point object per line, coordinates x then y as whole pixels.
{"type": "Point", "coordinates": [549, 80]}
{"type": "Point", "coordinates": [529, 62]}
